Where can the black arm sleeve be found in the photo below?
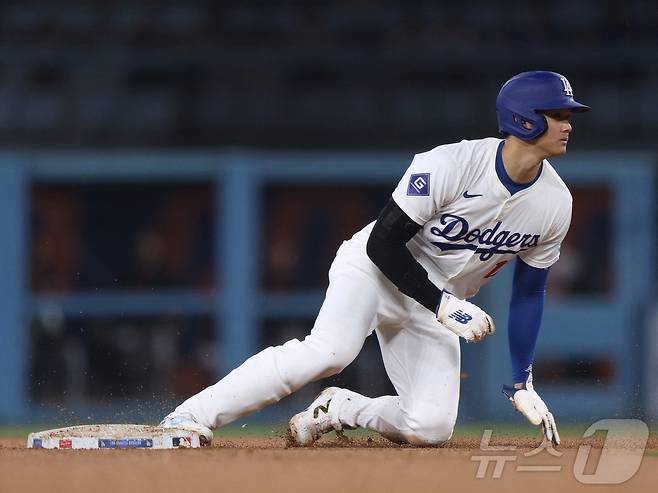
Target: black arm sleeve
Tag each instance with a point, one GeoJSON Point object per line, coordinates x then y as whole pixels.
{"type": "Point", "coordinates": [387, 248]}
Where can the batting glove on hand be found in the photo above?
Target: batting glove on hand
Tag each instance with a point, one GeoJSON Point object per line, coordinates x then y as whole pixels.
{"type": "Point", "coordinates": [528, 403]}
{"type": "Point", "coordinates": [464, 318]}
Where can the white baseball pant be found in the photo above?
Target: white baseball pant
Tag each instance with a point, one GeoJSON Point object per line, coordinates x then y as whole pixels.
{"type": "Point", "coordinates": [421, 357]}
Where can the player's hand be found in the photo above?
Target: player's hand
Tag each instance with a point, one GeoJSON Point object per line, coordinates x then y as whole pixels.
{"type": "Point", "coordinates": [464, 319]}
{"type": "Point", "coordinates": [527, 402]}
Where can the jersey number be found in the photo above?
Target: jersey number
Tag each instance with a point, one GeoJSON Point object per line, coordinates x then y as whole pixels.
{"type": "Point", "coordinates": [495, 270]}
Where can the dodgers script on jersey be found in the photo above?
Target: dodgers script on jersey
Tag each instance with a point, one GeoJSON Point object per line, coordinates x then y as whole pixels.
{"type": "Point", "coordinates": [472, 224]}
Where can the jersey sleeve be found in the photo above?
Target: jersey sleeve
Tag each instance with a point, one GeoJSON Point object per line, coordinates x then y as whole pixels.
{"type": "Point", "coordinates": [547, 252]}
{"type": "Point", "coordinates": [430, 182]}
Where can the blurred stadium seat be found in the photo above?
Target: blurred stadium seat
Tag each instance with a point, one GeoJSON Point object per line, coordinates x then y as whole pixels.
{"type": "Point", "coordinates": [291, 74]}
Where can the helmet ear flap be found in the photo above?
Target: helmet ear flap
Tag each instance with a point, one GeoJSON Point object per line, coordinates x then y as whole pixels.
{"type": "Point", "coordinates": [528, 125]}
{"type": "Point", "coordinates": [528, 128]}
{"type": "Point", "coordinates": [543, 124]}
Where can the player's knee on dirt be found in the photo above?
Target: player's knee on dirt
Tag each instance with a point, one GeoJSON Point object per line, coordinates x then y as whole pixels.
{"type": "Point", "coordinates": [429, 425]}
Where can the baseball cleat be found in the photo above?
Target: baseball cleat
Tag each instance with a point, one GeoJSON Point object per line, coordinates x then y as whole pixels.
{"type": "Point", "coordinates": [316, 420]}
{"type": "Point", "coordinates": [185, 421]}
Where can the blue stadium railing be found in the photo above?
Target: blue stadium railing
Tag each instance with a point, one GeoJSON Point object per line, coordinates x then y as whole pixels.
{"type": "Point", "coordinates": [580, 326]}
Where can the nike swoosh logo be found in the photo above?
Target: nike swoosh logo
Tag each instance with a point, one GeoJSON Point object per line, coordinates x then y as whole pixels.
{"type": "Point", "coordinates": [468, 196]}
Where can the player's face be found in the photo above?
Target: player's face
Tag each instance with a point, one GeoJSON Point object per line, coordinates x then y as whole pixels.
{"type": "Point", "coordinates": [554, 141]}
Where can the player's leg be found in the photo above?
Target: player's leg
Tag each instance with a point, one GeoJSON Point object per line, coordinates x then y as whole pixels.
{"type": "Point", "coordinates": [346, 318]}
{"type": "Point", "coordinates": [422, 360]}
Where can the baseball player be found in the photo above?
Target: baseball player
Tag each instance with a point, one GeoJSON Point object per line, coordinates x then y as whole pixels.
{"type": "Point", "coordinates": [459, 214]}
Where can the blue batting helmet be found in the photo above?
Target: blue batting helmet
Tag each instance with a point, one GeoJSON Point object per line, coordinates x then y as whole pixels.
{"type": "Point", "coordinates": [525, 95]}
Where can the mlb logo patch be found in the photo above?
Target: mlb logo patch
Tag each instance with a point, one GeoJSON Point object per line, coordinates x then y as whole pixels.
{"type": "Point", "coordinates": [419, 185]}
{"type": "Point", "coordinates": [182, 442]}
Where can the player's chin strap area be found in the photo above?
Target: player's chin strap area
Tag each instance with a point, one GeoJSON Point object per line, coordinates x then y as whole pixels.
{"type": "Point", "coordinates": [526, 400]}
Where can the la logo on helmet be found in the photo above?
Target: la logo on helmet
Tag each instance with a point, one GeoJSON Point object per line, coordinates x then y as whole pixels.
{"type": "Point", "coordinates": [567, 87]}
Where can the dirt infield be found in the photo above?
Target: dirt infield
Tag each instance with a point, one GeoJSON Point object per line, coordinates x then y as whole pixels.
{"type": "Point", "coordinates": [333, 465]}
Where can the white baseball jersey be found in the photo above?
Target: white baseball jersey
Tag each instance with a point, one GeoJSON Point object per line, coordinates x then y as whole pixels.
{"type": "Point", "coordinates": [472, 224]}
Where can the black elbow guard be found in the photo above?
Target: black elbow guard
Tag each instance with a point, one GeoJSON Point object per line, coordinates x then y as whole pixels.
{"type": "Point", "coordinates": [388, 251]}
{"type": "Point", "coordinates": [393, 226]}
